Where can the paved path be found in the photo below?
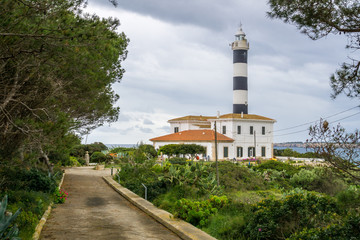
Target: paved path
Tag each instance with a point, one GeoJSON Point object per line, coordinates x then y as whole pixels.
{"type": "Point", "coordinates": [95, 211]}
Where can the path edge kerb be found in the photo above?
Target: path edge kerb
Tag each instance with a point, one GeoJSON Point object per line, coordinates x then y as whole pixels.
{"type": "Point", "coordinates": [181, 228]}
{"type": "Point", "coordinates": [45, 216]}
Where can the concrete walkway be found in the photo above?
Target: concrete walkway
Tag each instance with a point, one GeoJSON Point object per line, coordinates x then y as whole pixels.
{"type": "Point", "coordinates": [95, 211]}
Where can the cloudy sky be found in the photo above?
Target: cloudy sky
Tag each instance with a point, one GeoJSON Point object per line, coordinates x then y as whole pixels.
{"type": "Point", "coordinates": [180, 63]}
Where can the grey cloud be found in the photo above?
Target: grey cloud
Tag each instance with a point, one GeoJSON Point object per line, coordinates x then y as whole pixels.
{"type": "Point", "coordinates": [148, 122]}
{"type": "Point", "coordinates": [146, 130]}
{"type": "Point", "coordinates": [204, 13]}
{"type": "Point", "coordinates": [165, 128]}
{"type": "Point", "coordinates": [124, 118]}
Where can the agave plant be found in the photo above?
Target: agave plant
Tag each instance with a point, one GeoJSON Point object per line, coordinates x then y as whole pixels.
{"type": "Point", "coordinates": [5, 220]}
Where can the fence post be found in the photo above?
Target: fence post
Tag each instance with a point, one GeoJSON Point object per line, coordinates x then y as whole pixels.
{"type": "Point", "coordinates": [145, 191]}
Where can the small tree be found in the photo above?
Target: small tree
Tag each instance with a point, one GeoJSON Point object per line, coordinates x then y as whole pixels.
{"type": "Point", "coordinates": [336, 147]}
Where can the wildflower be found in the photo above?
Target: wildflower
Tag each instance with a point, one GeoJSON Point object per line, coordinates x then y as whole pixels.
{"type": "Point", "coordinates": [259, 229]}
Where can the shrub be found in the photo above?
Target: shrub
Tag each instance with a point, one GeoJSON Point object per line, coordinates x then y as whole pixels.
{"type": "Point", "coordinates": [198, 212]}
{"type": "Point", "coordinates": [229, 222]}
{"type": "Point", "coordinates": [347, 229]}
{"type": "Point", "coordinates": [72, 162]}
{"type": "Point", "coordinates": [98, 157]}
{"type": "Point", "coordinates": [33, 179]}
{"type": "Point", "coordinates": [318, 179]}
{"type": "Point", "coordinates": [60, 196]}
{"type": "Point", "coordinates": [178, 160]}
{"type": "Point", "coordinates": [33, 205]}
{"type": "Point", "coordinates": [133, 176]}
{"type": "Point", "coordinates": [7, 232]}
{"type": "Point", "coordinates": [149, 150]}
{"type": "Point", "coordinates": [238, 177]}
{"type": "Point", "coordinates": [278, 219]}
{"type": "Point", "coordinates": [349, 198]}
{"type": "Point", "coordinates": [290, 170]}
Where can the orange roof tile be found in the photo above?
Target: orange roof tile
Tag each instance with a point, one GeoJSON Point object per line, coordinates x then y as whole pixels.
{"type": "Point", "coordinates": [193, 136]}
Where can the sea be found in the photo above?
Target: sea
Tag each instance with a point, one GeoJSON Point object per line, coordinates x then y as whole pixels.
{"type": "Point", "coordinates": [111, 146]}
{"type": "Point", "coordinates": [297, 149]}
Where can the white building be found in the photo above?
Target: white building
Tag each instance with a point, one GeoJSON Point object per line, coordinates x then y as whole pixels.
{"type": "Point", "coordinates": [239, 134]}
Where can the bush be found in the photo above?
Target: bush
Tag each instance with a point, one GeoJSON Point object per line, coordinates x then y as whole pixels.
{"type": "Point", "coordinates": [278, 219]}
{"type": "Point", "coordinates": [318, 179]}
{"type": "Point", "coordinates": [278, 166]}
{"type": "Point", "coordinates": [349, 198]}
{"type": "Point", "coordinates": [229, 222]}
{"type": "Point", "coordinates": [238, 177]}
{"type": "Point", "coordinates": [149, 150]}
{"type": "Point", "coordinates": [178, 160]}
{"type": "Point", "coordinates": [135, 175]}
{"type": "Point", "coordinates": [97, 157]}
{"type": "Point", "coordinates": [72, 162]}
{"type": "Point", "coordinates": [33, 205]}
{"type": "Point", "coordinates": [33, 179]}
{"type": "Point", "coordinates": [198, 212]}
{"type": "Point", "coordinates": [348, 229]}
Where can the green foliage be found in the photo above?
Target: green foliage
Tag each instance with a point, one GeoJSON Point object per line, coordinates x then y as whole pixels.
{"type": "Point", "coordinates": [237, 177]}
{"type": "Point", "coordinates": [98, 157]}
{"type": "Point", "coordinates": [177, 149]}
{"type": "Point", "coordinates": [16, 178]}
{"type": "Point", "coordinates": [197, 174]}
{"type": "Point", "coordinates": [347, 229]}
{"type": "Point", "coordinates": [60, 196]}
{"type": "Point", "coordinates": [149, 150]}
{"type": "Point", "coordinates": [33, 205]}
{"type": "Point", "coordinates": [132, 176]}
{"type": "Point", "coordinates": [349, 198]}
{"type": "Point", "coordinates": [290, 170]}
{"type": "Point", "coordinates": [317, 19]}
{"type": "Point", "coordinates": [229, 222]}
{"type": "Point", "coordinates": [318, 179]}
{"type": "Point", "coordinates": [167, 200]}
{"type": "Point", "coordinates": [72, 162]}
{"type": "Point", "coordinates": [178, 160]}
{"type": "Point", "coordinates": [278, 219]}
{"type": "Point", "coordinates": [46, 103]}
{"type": "Point", "coordinates": [7, 232]}
{"type": "Point", "coordinates": [80, 150]}
{"type": "Point", "coordinates": [198, 212]}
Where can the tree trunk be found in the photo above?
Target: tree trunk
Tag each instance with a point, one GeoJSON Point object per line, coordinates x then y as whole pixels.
{"type": "Point", "coordinates": [47, 161]}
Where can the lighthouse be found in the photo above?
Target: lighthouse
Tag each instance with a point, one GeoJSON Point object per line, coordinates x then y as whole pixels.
{"type": "Point", "coordinates": [240, 48]}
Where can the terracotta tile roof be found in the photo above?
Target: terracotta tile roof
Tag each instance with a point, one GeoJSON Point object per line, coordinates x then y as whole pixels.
{"type": "Point", "coordinates": [193, 136]}
{"type": "Point", "coordinates": [192, 118]}
{"type": "Point", "coordinates": [246, 116]}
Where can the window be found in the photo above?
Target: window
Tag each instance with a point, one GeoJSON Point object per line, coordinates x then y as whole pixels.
{"type": "Point", "coordinates": [226, 152]}
{"type": "Point", "coordinates": [251, 130]}
{"type": "Point", "coordinates": [176, 129]}
{"type": "Point", "coordinates": [239, 152]}
{"type": "Point", "coordinates": [238, 129]}
{"type": "Point", "coordinates": [224, 130]}
{"type": "Point", "coordinates": [251, 152]}
{"type": "Point", "coordinates": [263, 151]}
{"type": "Point", "coordinates": [263, 130]}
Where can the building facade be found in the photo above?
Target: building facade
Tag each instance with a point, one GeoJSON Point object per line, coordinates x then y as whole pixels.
{"type": "Point", "coordinates": [239, 136]}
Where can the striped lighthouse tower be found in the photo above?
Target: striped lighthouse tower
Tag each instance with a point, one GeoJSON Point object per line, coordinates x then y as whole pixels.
{"type": "Point", "coordinates": [240, 48]}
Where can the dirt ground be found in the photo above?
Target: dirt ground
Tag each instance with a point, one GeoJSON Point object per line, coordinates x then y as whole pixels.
{"type": "Point", "coordinates": [94, 210]}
